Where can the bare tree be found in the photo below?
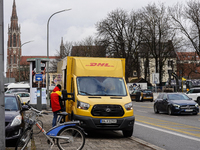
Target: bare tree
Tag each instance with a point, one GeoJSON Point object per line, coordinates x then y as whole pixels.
{"type": "Point", "coordinates": [24, 73]}
{"type": "Point", "coordinates": [186, 19]}
{"type": "Point", "coordinates": [121, 33]}
{"type": "Point", "coordinates": [66, 50]}
{"type": "Point", "coordinates": [157, 35]}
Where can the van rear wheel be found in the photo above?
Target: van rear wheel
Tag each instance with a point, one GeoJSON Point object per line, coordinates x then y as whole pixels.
{"type": "Point", "coordinates": [128, 133]}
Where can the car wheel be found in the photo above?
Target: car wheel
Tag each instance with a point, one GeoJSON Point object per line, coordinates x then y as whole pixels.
{"type": "Point", "coordinates": [155, 109]}
{"type": "Point", "coordinates": [198, 100]}
{"type": "Point", "coordinates": [169, 111]}
{"type": "Point", "coordinates": [195, 113]}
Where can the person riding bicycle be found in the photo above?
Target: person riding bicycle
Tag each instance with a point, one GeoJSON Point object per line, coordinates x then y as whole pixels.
{"type": "Point", "coordinates": [56, 103]}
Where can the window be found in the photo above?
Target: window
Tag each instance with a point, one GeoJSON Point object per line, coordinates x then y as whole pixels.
{"type": "Point", "coordinates": [134, 73]}
{"type": "Point", "coordinates": [170, 63]}
{"type": "Point", "coordinates": [14, 59]}
{"type": "Point", "coordinates": [14, 40]}
{"type": "Point", "coordinates": [10, 40]}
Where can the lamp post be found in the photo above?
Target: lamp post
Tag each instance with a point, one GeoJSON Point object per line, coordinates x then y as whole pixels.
{"type": "Point", "coordinates": [47, 82]}
{"type": "Point", "coordinates": [20, 57]}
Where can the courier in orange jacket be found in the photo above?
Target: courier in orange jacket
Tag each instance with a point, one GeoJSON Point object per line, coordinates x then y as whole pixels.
{"type": "Point", "coordinates": [55, 102]}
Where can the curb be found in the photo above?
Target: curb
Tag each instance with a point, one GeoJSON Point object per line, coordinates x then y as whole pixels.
{"type": "Point", "coordinates": [146, 143]}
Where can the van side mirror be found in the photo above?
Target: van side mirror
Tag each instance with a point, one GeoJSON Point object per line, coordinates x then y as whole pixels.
{"type": "Point", "coordinates": [66, 95]}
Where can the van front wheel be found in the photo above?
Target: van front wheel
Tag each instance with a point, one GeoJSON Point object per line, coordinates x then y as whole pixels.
{"type": "Point", "coordinates": [128, 133]}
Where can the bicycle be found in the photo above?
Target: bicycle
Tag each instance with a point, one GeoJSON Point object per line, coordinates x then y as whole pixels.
{"type": "Point", "coordinates": [68, 135]}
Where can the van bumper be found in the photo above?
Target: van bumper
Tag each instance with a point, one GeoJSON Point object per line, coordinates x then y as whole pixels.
{"type": "Point", "coordinates": [95, 123]}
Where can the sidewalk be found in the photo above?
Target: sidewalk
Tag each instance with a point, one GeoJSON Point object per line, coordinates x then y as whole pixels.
{"type": "Point", "coordinates": [107, 140]}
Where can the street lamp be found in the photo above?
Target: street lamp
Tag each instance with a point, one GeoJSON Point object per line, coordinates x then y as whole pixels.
{"type": "Point", "coordinates": [47, 83]}
{"type": "Point", "coordinates": [20, 57]}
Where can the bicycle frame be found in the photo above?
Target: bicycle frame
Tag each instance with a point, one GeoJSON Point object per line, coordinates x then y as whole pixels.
{"type": "Point", "coordinates": [53, 132]}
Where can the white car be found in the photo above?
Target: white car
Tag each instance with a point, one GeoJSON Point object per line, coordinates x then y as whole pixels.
{"type": "Point", "coordinates": [25, 96]}
{"type": "Point", "coordinates": [194, 93]}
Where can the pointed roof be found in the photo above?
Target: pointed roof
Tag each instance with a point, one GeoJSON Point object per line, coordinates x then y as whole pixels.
{"type": "Point", "coordinates": [14, 18]}
{"type": "Point", "coordinates": [14, 12]}
{"type": "Point", "coordinates": [62, 42]}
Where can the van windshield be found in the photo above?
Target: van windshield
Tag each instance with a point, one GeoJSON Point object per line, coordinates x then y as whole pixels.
{"type": "Point", "coordinates": [101, 86]}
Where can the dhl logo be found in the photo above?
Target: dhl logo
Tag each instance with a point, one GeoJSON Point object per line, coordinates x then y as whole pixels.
{"type": "Point", "coordinates": [100, 64]}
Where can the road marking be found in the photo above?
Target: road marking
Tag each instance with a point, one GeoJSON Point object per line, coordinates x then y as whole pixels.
{"type": "Point", "coordinates": [168, 125]}
{"type": "Point", "coordinates": [169, 132]}
{"type": "Point", "coordinates": [141, 111]}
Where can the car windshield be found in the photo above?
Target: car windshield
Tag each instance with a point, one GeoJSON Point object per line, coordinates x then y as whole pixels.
{"type": "Point", "coordinates": [10, 103]}
{"type": "Point", "coordinates": [101, 86]}
{"type": "Point", "coordinates": [177, 97]}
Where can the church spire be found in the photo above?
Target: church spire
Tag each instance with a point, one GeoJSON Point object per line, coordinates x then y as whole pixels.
{"type": "Point", "coordinates": [14, 18]}
{"type": "Point", "coordinates": [62, 48]}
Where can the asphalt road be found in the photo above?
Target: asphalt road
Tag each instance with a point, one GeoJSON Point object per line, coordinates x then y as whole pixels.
{"type": "Point", "coordinates": [176, 132]}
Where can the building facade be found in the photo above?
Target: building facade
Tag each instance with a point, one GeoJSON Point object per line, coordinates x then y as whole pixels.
{"type": "Point", "coordinates": [13, 45]}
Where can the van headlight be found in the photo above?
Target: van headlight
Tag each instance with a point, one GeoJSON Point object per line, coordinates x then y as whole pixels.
{"type": "Point", "coordinates": [82, 105]}
{"type": "Point", "coordinates": [197, 105]}
{"type": "Point", "coordinates": [129, 106]}
{"type": "Point", "coordinates": [17, 120]}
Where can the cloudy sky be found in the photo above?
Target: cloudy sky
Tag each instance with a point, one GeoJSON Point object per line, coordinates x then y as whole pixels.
{"type": "Point", "coordinates": [73, 25]}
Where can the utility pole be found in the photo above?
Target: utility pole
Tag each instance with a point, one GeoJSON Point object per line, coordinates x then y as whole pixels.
{"type": "Point", "coordinates": [2, 110]}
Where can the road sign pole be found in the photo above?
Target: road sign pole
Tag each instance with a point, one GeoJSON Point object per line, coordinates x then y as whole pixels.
{"type": "Point", "coordinates": [2, 109]}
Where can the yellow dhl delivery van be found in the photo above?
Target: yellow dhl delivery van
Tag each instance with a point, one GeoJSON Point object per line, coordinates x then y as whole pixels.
{"type": "Point", "coordinates": [100, 96]}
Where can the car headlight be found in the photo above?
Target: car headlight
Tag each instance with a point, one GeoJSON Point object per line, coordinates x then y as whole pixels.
{"type": "Point", "coordinates": [175, 105]}
{"type": "Point", "coordinates": [197, 105]}
{"type": "Point", "coordinates": [82, 105]}
{"type": "Point", "coordinates": [129, 106]}
{"type": "Point", "coordinates": [17, 120]}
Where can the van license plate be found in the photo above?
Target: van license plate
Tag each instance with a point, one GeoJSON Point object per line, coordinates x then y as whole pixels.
{"type": "Point", "coordinates": [108, 121]}
{"type": "Point", "coordinates": [188, 110]}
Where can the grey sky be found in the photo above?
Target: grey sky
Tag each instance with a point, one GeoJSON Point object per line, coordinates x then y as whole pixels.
{"type": "Point", "coordinates": [73, 25]}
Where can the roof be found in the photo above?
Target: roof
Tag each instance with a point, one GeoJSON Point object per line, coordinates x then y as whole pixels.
{"type": "Point", "coordinates": [167, 49]}
{"type": "Point", "coordinates": [23, 60]}
{"type": "Point", "coordinates": [188, 56]}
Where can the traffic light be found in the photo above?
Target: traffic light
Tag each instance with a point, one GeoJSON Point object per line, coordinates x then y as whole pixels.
{"type": "Point", "coordinates": [38, 65]}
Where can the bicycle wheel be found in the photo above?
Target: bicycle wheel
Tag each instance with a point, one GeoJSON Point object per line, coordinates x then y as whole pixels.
{"type": "Point", "coordinates": [74, 139]}
{"type": "Point", "coordinates": [23, 140]}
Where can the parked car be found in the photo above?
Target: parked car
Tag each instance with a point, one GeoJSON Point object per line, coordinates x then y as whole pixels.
{"type": "Point", "coordinates": [25, 96]}
{"type": "Point", "coordinates": [175, 103]}
{"type": "Point", "coordinates": [16, 90]}
{"type": "Point", "coordinates": [194, 93]}
{"type": "Point", "coordinates": [14, 119]}
{"type": "Point", "coordinates": [142, 95]}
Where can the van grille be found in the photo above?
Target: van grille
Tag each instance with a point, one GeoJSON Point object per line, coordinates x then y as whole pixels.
{"type": "Point", "coordinates": [107, 110]}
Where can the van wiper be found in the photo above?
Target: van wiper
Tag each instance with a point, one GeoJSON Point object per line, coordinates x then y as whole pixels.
{"type": "Point", "coordinates": [85, 93]}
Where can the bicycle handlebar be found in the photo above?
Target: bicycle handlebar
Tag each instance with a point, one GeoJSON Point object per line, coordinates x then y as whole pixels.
{"type": "Point", "coordinates": [37, 111]}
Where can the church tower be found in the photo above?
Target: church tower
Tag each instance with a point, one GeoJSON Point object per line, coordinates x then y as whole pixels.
{"type": "Point", "coordinates": [62, 49]}
{"type": "Point", "coordinates": [13, 45]}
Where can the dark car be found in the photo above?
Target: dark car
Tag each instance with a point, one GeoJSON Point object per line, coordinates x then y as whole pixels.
{"type": "Point", "coordinates": [175, 103]}
{"type": "Point", "coordinates": [142, 95]}
{"type": "Point", "coordinates": [14, 115]}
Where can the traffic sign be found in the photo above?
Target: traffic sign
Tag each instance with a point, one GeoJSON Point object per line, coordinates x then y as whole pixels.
{"type": "Point", "coordinates": [156, 78]}
{"type": "Point", "coordinates": [38, 77]}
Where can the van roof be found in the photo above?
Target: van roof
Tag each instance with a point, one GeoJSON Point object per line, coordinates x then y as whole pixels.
{"type": "Point", "coordinates": [18, 85]}
{"type": "Point", "coordinates": [97, 67]}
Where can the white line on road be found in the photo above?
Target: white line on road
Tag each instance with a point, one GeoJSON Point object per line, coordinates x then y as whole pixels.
{"type": "Point", "coordinates": [170, 132]}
